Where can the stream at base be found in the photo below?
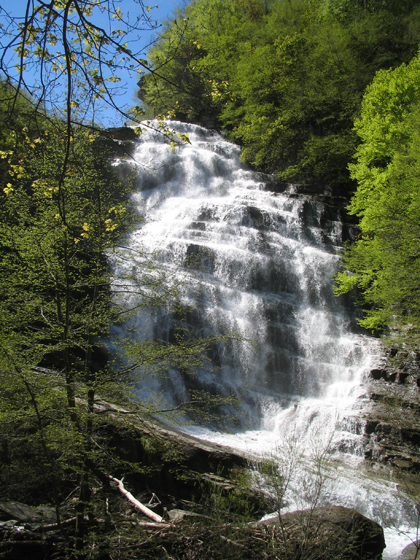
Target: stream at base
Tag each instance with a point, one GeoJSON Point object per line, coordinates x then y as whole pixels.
{"type": "Point", "coordinates": [258, 259]}
{"type": "Point", "coordinates": [319, 463]}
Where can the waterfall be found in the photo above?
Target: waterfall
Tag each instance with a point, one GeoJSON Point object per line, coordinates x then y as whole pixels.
{"type": "Point", "coordinates": [261, 257]}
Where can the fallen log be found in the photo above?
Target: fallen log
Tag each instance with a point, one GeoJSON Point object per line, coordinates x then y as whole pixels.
{"type": "Point", "coordinates": [138, 505]}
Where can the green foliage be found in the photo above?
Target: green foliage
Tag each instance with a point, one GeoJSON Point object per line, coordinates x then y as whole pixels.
{"type": "Point", "coordinates": [54, 236]}
{"type": "Point", "coordinates": [66, 278]}
{"type": "Point", "coordinates": [346, 10]}
{"type": "Point", "coordinates": [225, 500]}
{"type": "Point", "coordinates": [56, 301]}
{"type": "Point", "coordinates": [284, 79]}
{"type": "Point", "coordinates": [384, 262]}
{"type": "Point", "coordinates": [68, 58]}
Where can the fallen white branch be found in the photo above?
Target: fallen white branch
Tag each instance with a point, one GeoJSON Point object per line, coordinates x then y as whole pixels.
{"type": "Point", "coordinates": [239, 545]}
{"type": "Point", "coordinates": [152, 525]}
{"type": "Point", "coordinates": [138, 505]}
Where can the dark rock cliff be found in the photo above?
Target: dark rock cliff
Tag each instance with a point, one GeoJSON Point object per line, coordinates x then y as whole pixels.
{"type": "Point", "coordinates": [392, 417]}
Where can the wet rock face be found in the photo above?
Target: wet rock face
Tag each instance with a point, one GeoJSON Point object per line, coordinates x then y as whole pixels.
{"type": "Point", "coordinates": [257, 256]}
{"type": "Point", "coordinates": [392, 427]}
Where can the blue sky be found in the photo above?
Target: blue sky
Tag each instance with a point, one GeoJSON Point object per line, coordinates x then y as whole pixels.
{"type": "Point", "coordinates": [161, 10]}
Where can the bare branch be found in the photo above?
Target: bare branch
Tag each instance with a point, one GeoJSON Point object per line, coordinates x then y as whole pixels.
{"type": "Point", "coordinates": [138, 505]}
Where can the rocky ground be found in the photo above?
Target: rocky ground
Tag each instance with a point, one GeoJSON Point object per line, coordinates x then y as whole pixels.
{"type": "Point", "coordinates": [208, 512]}
{"type": "Point", "coordinates": [321, 534]}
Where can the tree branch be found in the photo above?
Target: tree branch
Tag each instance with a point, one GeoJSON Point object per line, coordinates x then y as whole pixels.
{"type": "Point", "coordinates": [138, 505]}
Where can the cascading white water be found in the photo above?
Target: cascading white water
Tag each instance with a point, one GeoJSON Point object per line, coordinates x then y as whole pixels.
{"type": "Point", "coordinates": [264, 262]}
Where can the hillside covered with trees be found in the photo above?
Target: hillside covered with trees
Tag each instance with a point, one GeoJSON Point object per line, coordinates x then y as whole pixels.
{"type": "Point", "coordinates": [285, 79]}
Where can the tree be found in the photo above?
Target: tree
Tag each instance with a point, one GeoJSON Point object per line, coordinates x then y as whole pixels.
{"type": "Point", "coordinates": [195, 53]}
{"type": "Point", "coordinates": [384, 263]}
{"type": "Point", "coordinates": [68, 53]}
{"type": "Point", "coordinates": [347, 10]}
{"type": "Point", "coordinates": [63, 285]}
{"type": "Point", "coordinates": [69, 63]}
{"type": "Point", "coordinates": [64, 216]}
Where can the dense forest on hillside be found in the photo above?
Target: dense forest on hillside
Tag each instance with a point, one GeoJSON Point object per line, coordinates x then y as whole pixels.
{"type": "Point", "coordinates": [291, 82]}
{"type": "Point", "coordinates": [285, 79]}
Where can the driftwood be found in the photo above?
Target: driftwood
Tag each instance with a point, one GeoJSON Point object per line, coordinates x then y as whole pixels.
{"type": "Point", "coordinates": [138, 505]}
{"type": "Point", "coordinates": [239, 545]}
{"type": "Point", "coordinates": [153, 525]}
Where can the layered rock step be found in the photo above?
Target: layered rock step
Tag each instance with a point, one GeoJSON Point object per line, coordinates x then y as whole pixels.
{"type": "Point", "coordinates": [392, 428]}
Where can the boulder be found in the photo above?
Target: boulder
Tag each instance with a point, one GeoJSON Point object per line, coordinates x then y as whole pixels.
{"type": "Point", "coordinates": [26, 514]}
{"type": "Point", "coordinates": [411, 552]}
{"type": "Point", "coordinates": [18, 537]}
{"type": "Point", "coordinates": [356, 535]}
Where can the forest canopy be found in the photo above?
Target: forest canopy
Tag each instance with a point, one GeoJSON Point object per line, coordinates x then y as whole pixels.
{"type": "Point", "coordinates": [284, 79]}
